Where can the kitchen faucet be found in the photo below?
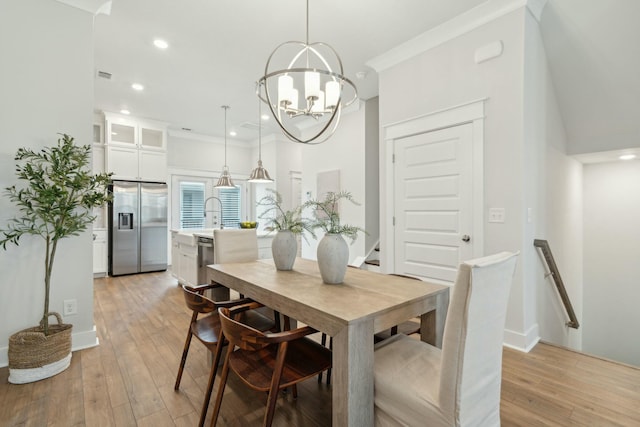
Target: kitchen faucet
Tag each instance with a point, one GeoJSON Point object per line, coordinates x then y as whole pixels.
{"type": "Point", "coordinates": [205, 210]}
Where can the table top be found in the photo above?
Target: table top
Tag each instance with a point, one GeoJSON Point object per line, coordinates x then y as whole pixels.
{"type": "Point", "coordinates": [363, 295]}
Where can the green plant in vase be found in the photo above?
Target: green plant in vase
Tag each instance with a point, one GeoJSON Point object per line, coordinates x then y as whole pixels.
{"type": "Point", "coordinates": [333, 252]}
{"type": "Point", "coordinates": [288, 224]}
{"type": "Point", "coordinates": [55, 202]}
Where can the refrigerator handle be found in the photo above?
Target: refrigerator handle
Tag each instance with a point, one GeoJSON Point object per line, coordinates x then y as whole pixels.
{"type": "Point", "coordinates": [125, 221]}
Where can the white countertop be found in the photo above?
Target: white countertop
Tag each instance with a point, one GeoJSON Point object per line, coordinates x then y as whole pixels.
{"type": "Point", "coordinates": [189, 236]}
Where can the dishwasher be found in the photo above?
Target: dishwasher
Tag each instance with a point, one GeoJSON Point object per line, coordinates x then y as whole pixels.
{"type": "Point", "coordinates": [205, 257]}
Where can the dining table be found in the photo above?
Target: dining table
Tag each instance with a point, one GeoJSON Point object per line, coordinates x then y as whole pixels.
{"type": "Point", "coordinates": [351, 312]}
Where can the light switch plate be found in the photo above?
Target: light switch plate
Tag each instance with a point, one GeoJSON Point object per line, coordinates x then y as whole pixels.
{"type": "Point", "coordinates": [496, 215]}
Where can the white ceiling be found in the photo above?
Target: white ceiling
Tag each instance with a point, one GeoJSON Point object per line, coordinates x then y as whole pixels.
{"type": "Point", "coordinates": [218, 49]}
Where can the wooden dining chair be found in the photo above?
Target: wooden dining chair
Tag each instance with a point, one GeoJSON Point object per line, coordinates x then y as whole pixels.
{"type": "Point", "coordinates": [267, 362]}
{"type": "Point", "coordinates": [418, 384]}
{"type": "Point", "coordinates": [207, 330]}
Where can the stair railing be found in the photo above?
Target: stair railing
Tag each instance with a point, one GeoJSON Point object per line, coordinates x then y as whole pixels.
{"type": "Point", "coordinates": [543, 245]}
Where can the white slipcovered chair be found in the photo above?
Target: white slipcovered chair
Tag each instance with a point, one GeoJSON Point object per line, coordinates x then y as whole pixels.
{"type": "Point", "coordinates": [235, 245]}
{"type": "Point", "coordinates": [238, 245]}
{"type": "Point", "coordinates": [417, 384]}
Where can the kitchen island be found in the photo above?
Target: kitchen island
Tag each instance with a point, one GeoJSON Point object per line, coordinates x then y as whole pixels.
{"type": "Point", "coordinates": [192, 250]}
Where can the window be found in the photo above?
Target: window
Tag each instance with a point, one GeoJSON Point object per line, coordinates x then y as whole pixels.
{"type": "Point", "coordinates": [231, 206]}
{"type": "Point", "coordinates": [192, 204]}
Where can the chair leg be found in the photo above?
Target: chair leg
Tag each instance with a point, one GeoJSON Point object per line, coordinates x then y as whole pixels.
{"type": "Point", "coordinates": [185, 351]}
{"type": "Point", "coordinates": [212, 378]}
{"type": "Point", "coordinates": [275, 385]}
{"type": "Point", "coordinates": [223, 383]}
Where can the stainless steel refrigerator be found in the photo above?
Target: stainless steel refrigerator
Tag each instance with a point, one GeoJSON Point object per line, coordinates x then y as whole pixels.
{"type": "Point", "coordinates": [137, 227]}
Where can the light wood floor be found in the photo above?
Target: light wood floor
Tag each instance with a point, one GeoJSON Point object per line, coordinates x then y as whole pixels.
{"type": "Point", "coordinates": [141, 322]}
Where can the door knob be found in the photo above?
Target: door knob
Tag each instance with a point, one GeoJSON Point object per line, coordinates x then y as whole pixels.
{"type": "Point", "coordinates": [466, 238]}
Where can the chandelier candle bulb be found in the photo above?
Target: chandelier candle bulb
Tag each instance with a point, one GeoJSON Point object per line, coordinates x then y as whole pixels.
{"type": "Point", "coordinates": [311, 85]}
{"type": "Point", "coordinates": [285, 89]}
{"type": "Point", "coordinates": [294, 99]}
{"type": "Point", "coordinates": [332, 92]}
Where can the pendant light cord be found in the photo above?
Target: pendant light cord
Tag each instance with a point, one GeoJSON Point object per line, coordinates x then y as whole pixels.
{"type": "Point", "coordinates": [225, 135]}
{"type": "Point", "coordinates": [259, 130]}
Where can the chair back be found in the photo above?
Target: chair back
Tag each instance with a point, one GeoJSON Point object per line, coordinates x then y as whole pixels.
{"type": "Point", "coordinates": [197, 302]}
{"type": "Point", "coordinates": [237, 333]}
{"type": "Point", "coordinates": [471, 368]}
{"type": "Point", "coordinates": [235, 245]}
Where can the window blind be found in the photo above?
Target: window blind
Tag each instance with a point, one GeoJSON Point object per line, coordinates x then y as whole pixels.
{"type": "Point", "coordinates": [231, 206]}
{"type": "Point", "coordinates": [191, 205]}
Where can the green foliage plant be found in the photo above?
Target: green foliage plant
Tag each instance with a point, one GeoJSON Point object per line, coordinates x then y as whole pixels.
{"type": "Point", "coordinates": [327, 217]}
{"type": "Point", "coordinates": [279, 219]}
{"type": "Point", "coordinates": [56, 200]}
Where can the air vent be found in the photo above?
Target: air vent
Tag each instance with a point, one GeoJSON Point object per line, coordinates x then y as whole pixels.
{"type": "Point", "coordinates": [187, 129]}
{"type": "Point", "coordinates": [251, 126]}
{"type": "Point", "coordinates": [104, 75]}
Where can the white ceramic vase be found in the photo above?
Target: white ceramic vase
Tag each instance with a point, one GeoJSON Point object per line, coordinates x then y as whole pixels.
{"type": "Point", "coordinates": [333, 256]}
{"type": "Point", "coordinates": [284, 249]}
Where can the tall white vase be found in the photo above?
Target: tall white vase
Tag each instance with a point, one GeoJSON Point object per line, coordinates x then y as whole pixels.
{"type": "Point", "coordinates": [333, 256]}
{"type": "Point", "coordinates": [284, 249]}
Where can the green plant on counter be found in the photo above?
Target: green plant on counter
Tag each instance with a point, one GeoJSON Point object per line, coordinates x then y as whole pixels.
{"type": "Point", "coordinates": [327, 217]}
{"type": "Point", "coordinates": [56, 201]}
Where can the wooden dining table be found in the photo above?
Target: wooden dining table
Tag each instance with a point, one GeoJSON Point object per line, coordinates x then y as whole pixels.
{"type": "Point", "coordinates": [351, 312]}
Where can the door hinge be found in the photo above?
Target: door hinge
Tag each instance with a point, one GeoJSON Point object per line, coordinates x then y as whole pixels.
{"type": "Point", "coordinates": [393, 158]}
{"type": "Point", "coordinates": [394, 221]}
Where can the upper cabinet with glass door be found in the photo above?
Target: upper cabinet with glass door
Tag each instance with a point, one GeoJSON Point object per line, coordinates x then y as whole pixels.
{"type": "Point", "coordinates": [136, 149]}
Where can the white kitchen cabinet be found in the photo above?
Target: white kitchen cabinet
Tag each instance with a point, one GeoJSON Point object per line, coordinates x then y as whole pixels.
{"type": "Point", "coordinates": [99, 252]}
{"type": "Point", "coordinates": [188, 265]}
{"type": "Point", "coordinates": [136, 149]}
{"type": "Point", "coordinates": [175, 255]}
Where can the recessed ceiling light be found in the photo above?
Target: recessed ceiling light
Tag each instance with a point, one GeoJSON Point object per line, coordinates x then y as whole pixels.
{"type": "Point", "coordinates": [160, 44]}
{"type": "Point", "coordinates": [137, 86]}
{"type": "Point", "coordinates": [627, 157]}
{"type": "Point", "coordinates": [233, 133]}
{"type": "Point", "coordinates": [265, 117]}
{"type": "Point", "coordinates": [125, 112]}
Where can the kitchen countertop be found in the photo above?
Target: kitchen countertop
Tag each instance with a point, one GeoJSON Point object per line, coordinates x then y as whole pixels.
{"type": "Point", "coordinates": [189, 236]}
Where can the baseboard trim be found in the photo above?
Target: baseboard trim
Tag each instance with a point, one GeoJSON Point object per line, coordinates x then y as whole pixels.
{"type": "Point", "coordinates": [522, 341]}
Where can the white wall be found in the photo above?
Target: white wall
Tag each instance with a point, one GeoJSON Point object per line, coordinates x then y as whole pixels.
{"type": "Point", "coordinates": [46, 83]}
{"type": "Point", "coordinates": [447, 75]}
{"type": "Point", "coordinates": [611, 268]}
{"type": "Point", "coordinates": [554, 195]}
{"type": "Point", "coordinates": [372, 173]}
{"type": "Point", "coordinates": [344, 151]}
{"type": "Point", "coordinates": [204, 153]}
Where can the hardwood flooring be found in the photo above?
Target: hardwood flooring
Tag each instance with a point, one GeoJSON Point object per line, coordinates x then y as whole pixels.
{"type": "Point", "coordinates": [141, 322]}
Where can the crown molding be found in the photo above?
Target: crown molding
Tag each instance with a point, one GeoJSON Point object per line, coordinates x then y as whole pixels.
{"type": "Point", "coordinates": [461, 24]}
{"type": "Point", "coordinates": [94, 7]}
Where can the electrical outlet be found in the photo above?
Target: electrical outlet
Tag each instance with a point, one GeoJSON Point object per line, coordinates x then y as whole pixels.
{"type": "Point", "coordinates": [70, 307]}
{"type": "Point", "coordinates": [496, 215]}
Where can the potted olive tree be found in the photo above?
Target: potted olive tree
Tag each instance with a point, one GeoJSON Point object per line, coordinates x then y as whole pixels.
{"type": "Point", "coordinates": [333, 252]}
{"type": "Point", "coordinates": [55, 202]}
{"type": "Point", "coordinates": [288, 224]}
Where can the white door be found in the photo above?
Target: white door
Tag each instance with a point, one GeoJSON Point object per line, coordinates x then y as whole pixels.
{"type": "Point", "coordinates": [433, 203]}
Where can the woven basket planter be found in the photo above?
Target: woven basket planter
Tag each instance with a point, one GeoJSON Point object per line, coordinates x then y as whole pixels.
{"type": "Point", "coordinates": [34, 356]}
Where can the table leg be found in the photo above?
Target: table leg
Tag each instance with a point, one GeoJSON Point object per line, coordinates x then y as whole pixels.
{"type": "Point", "coordinates": [352, 379]}
{"type": "Point", "coordinates": [432, 322]}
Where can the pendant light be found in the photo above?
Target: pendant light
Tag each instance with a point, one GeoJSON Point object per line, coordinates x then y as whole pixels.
{"type": "Point", "coordinates": [225, 180]}
{"type": "Point", "coordinates": [311, 68]}
{"type": "Point", "coordinates": [259, 174]}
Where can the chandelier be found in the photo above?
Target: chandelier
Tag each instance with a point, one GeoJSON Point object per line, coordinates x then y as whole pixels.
{"type": "Point", "coordinates": [225, 180]}
{"type": "Point", "coordinates": [312, 85]}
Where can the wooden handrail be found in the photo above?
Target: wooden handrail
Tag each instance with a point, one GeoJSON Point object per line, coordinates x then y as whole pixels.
{"type": "Point", "coordinates": [543, 245]}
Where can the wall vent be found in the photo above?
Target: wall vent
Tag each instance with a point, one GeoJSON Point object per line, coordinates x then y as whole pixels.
{"type": "Point", "coordinates": [104, 75]}
{"type": "Point", "coordinates": [251, 126]}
